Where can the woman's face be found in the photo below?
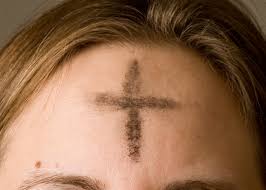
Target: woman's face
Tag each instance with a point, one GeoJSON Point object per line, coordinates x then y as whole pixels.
{"type": "Point", "coordinates": [131, 117]}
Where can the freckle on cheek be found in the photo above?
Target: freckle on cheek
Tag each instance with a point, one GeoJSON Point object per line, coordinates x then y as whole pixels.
{"type": "Point", "coordinates": [38, 164]}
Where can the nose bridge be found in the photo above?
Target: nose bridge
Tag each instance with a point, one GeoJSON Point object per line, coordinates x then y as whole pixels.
{"type": "Point", "coordinates": [132, 178]}
{"type": "Point", "coordinates": [129, 183]}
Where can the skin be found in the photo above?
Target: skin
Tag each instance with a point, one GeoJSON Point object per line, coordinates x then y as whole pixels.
{"type": "Point", "coordinates": [62, 130]}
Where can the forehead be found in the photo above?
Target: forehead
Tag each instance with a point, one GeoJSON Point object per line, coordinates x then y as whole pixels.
{"type": "Point", "coordinates": [194, 138]}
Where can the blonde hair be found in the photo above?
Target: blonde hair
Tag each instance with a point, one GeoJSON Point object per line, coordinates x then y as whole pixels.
{"type": "Point", "coordinates": [218, 30]}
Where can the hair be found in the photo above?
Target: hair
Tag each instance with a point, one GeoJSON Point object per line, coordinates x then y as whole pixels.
{"type": "Point", "coordinates": [220, 31]}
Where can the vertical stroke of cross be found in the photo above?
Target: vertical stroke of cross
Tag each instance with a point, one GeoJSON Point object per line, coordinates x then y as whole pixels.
{"type": "Point", "coordinates": [133, 103]}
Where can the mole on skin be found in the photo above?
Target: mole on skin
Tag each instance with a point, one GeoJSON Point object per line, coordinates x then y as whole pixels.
{"type": "Point", "coordinates": [38, 164]}
{"type": "Point", "coordinates": [133, 103]}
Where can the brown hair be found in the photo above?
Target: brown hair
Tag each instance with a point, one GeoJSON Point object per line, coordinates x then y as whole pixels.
{"type": "Point", "coordinates": [220, 31]}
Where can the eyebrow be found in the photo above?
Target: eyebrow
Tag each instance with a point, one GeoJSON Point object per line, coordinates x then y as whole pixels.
{"type": "Point", "coordinates": [200, 185]}
{"type": "Point", "coordinates": [62, 181]}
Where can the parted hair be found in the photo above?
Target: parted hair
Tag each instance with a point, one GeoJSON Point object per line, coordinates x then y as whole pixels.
{"type": "Point", "coordinates": [222, 32]}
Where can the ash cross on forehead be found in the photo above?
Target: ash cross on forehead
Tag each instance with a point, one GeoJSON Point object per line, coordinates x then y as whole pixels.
{"type": "Point", "coordinates": [133, 103]}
